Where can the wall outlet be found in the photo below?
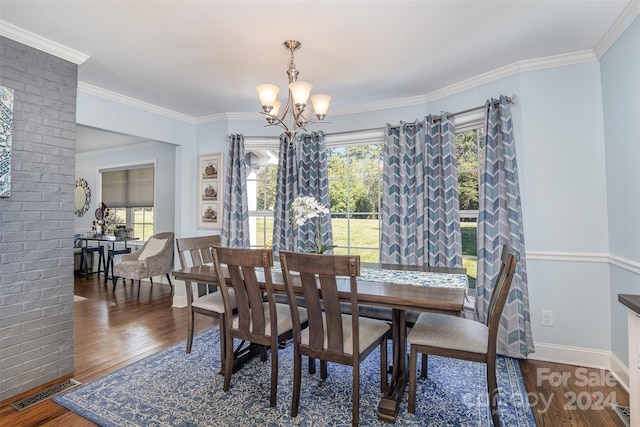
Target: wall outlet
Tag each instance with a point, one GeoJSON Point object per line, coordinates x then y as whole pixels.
{"type": "Point", "coordinates": [547, 317]}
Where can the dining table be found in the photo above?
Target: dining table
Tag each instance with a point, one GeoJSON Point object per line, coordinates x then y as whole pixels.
{"type": "Point", "coordinates": [110, 243]}
{"type": "Point", "coordinates": [395, 288]}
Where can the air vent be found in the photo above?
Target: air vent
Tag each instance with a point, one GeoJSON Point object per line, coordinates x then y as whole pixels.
{"type": "Point", "coordinates": [44, 394]}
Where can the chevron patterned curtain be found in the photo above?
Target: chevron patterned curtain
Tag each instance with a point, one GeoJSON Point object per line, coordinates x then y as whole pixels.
{"type": "Point", "coordinates": [286, 192]}
{"type": "Point", "coordinates": [313, 180]}
{"type": "Point", "coordinates": [235, 219]}
{"type": "Point", "coordinates": [500, 222]}
{"type": "Point", "coordinates": [443, 236]}
{"type": "Point", "coordinates": [420, 208]}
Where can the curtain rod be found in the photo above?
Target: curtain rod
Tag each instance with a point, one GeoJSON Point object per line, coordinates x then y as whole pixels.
{"type": "Point", "coordinates": [510, 99]}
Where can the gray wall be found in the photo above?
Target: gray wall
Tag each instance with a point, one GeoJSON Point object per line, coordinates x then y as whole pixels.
{"type": "Point", "coordinates": [36, 221]}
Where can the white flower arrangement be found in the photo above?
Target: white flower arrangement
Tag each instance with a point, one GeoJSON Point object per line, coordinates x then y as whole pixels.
{"type": "Point", "coordinates": [306, 208]}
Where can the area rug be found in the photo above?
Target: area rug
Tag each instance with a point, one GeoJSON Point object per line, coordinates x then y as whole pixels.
{"type": "Point", "coordinates": [171, 388]}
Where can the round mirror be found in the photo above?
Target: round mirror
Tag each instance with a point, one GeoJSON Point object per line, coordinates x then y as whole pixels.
{"type": "Point", "coordinates": [82, 197]}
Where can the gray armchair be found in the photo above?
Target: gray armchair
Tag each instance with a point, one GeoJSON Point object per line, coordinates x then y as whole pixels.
{"type": "Point", "coordinates": [155, 258]}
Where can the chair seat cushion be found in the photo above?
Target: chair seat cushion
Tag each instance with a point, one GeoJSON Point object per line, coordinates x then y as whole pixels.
{"type": "Point", "coordinates": [449, 332]}
{"type": "Point", "coordinates": [370, 331]}
{"type": "Point", "coordinates": [213, 301]}
{"type": "Point", "coordinates": [131, 270]}
{"type": "Point", "coordinates": [283, 314]}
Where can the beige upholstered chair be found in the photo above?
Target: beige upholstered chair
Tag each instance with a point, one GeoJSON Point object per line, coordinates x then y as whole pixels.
{"type": "Point", "coordinates": [460, 338]}
{"type": "Point", "coordinates": [155, 258]}
{"type": "Point", "coordinates": [260, 322]}
{"type": "Point", "coordinates": [194, 252]}
{"type": "Point", "coordinates": [331, 336]}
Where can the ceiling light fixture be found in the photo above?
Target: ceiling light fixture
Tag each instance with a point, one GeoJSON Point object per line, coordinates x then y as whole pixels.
{"type": "Point", "coordinates": [296, 102]}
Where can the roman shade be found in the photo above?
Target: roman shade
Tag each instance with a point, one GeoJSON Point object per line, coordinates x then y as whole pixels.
{"type": "Point", "coordinates": [129, 188]}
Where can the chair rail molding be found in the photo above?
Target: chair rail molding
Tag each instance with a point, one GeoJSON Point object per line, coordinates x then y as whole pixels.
{"type": "Point", "coordinates": [608, 258]}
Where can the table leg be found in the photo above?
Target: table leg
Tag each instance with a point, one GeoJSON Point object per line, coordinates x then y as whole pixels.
{"type": "Point", "coordinates": [390, 402]}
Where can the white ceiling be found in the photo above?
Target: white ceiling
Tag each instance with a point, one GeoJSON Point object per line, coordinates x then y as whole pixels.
{"type": "Point", "coordinates": [201, 58]}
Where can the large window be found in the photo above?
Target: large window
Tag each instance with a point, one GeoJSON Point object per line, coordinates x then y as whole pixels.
{"type": "Point", "coordinates": [262, 172]}
{"type": "Point", "coordinates": [129, 195]}
{"type": "Point", "coordinates": [355, 187]}
{"type": "Point", "coordinates": [468, 147]}
{"type": "Point", "coordinates": [355, 183]}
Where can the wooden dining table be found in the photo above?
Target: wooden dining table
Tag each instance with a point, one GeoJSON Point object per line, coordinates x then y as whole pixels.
{"type": "Point", "coordinates": [388, 291]}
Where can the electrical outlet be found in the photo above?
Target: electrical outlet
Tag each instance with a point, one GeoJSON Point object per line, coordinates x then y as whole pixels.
{"type": "Point", "coordinates": [547, 318]}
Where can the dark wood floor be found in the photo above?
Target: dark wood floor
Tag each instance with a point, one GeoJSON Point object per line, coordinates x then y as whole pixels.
{"type": "Point", "coordinates": [115, 329]}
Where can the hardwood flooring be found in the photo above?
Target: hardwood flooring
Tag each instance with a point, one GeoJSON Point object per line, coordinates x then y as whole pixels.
{"type": "Point", "coordinates": [113, 330]}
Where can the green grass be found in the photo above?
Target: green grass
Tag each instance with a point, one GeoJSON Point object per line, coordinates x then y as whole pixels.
{"type": "Point", "coordinates": [365, 233]}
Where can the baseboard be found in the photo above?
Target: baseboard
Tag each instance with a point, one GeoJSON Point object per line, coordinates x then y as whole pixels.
{"type": "Point", "coordinates": [620, 372]}
{"type": "Point", "coordinates": [584, 357]}
{"type": "Point", "coordinates": [179, 301]}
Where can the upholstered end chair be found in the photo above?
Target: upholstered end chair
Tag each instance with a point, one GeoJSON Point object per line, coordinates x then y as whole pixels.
{"type": "Point", "coordinates": [155, 258]}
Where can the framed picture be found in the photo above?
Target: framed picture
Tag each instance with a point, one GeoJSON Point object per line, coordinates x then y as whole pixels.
{"type": "Point", "coordinates": [210, 190]}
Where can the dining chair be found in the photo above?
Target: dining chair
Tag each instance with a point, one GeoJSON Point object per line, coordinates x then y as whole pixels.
{"type": "Point", "coordinates": [260, 322]}
{"type": "Point", "coordinates": [155, 258]}
{"type": "Point", "coordinates": [331, 335]}
{"type": "Point", "coordinates": [461, 338]}
{"type": "Point", "coordinates": [194, 252]}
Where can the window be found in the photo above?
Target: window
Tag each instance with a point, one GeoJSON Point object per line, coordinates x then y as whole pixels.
{"type": "Point", "coordinates": [468, 148]}
{"type": "Point", "coordinates": [262, 173]}
{"type": "Point", "coordinates": [355, 183]}
{"type": "Point", "coordinates": [355, 187]}
{"type": "Point", "coordinates": [129, 195]}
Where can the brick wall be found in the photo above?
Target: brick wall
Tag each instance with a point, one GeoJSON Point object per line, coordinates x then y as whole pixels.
{"type": "Point", "coordinates": [36, 221]}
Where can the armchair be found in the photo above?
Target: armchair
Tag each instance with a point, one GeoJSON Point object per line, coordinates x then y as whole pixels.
{"type": "Point", "coordinates": [153, 259]}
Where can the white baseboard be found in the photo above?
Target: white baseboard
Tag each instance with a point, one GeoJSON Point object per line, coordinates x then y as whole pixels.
{"type": "Point", "coordinates": [620, 372]}
{"type": "Point", "coordinates": [179, 301]}
{"type": "Point", "coordinates": [586, 357]}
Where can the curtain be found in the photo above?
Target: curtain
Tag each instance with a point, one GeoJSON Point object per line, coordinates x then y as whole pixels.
{"type": "Point", "coordinates": [313, 180]}
{"type": "Point", "coordinates": [420, 208]}
{"type": "Point", "coordinates": [286, 192]}
{"type": "Point", "coordinates": [500, 222]}
{"type": "Point", "coordinates": [235, 219]}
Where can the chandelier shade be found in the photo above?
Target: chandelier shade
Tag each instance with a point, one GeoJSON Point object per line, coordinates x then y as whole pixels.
{"type": "Point", "coordinates": [292, 119]}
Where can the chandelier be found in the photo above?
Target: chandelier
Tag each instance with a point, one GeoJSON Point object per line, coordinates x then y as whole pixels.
{"type": "Point", "coordinates": [293, 118]}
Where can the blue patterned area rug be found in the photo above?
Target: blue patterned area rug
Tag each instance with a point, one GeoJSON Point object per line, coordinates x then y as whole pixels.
{"type": "Point", "coordinates": [171, 388]}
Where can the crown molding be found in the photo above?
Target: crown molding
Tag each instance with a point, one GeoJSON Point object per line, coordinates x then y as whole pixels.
{"type": "Point", "coordinates": [628, 15]}
{"type": "Point", "coordinates": [38, 42]}
{"type": "Point", "coordinates": [143, 144]}
{"type": "Point", "coordinates": [382, 105]}
{"type": "Point", "coordinates": [513, 69]}
{"type": "Point", "coordinates": [490, 76]}
{"type": "Point", "coordinates": [127, 100]}
{"type": "Point", "coordinates": [228, 116]}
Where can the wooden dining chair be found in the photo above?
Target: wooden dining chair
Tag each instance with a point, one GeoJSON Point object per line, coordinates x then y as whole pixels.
{"type": "Point", "coordinates": [331, 336]}
{"type": "Point", "coordinates": [260, 322]}
{"type": "Point", "coordinates": [461, 338]}
{"type": "Point", "coordinates": [194, 252]}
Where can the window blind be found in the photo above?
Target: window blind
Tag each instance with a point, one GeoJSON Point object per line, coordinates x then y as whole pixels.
{"type": "Point", "coordinates": [128, 188]}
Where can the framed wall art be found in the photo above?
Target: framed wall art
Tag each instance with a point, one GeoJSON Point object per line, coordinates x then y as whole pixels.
{"type": "Point", "coordinates": [6, 128]}
{"type": "Point", "coordinates": [210, 190]}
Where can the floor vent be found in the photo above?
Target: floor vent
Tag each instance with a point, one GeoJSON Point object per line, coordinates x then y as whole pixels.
{"type": "Point", "coordinates": [45, 394]}
{"type": "Point", "coordinates": [624, 414]}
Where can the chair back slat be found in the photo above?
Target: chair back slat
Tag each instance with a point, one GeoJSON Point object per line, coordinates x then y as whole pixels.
{"type": "Point", "coordinates": [313, 303]}
{"type": "Point", "coordinates": [318, 276]}
{"type": "Point", "coordinates": [242, 266]}
{"type": "Point", "coordinates": [500, 293]}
